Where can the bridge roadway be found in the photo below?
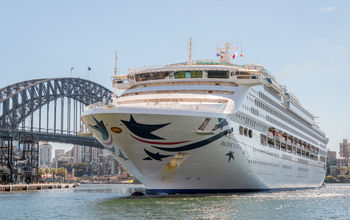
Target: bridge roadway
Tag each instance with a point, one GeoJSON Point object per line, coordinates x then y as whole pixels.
{"type": "Point", "coordinates": [52, 137]}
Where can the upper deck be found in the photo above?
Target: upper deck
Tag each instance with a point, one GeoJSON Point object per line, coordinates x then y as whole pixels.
{"type": "Point", "coordinates": [202, 70]}
{"type": "Point", "coordinates": [210, 72]}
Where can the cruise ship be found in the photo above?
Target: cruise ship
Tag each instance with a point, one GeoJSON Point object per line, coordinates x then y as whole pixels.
{"type": "Point", "coordinates": [209, 126]}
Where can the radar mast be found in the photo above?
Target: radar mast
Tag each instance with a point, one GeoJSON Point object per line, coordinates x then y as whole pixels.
{"type": "Point", "coordinates": [225, 54]}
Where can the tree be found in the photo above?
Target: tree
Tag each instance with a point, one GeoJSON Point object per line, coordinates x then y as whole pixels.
{"type": "Point", "coordinates": [41, 172]}
{"type": "Point", "coordinates": [47, 171]}
{"type": "Point", "coordinates": [68, 167]}
{"type": "Point", "coordinates": [80, 169]}
{"type": "Point", "coordinates": [62, 172]}
{"type": "Point", "coordinates": [53, 172]}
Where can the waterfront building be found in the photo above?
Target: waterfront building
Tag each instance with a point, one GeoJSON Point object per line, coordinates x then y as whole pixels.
{"type": "Point", "coordinates": [331, 157]}
{"type": "Point", "coordinates": [342, 166]}
{"type": "Point", "coordinates": [59, 153]}
{"type": "Point", "coordinates": [332, 170]}
{"type": "Point", "coordinates": [331, 162]}
{"type": "Point", "coordinates": [45, 155]}
{"type": "Point", "coordinates": [99, 162]}
{"type": "Point", "coordinates": [342, 161]}
{"type": "Point", "coordinates": [65, 162]}
{"type": "Point", "coordinates": [344, 148]}
{"type": "Point", "coordinates": [77, 153]}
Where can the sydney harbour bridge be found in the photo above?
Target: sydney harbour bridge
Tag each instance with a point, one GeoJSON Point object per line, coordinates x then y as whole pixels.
{"type": "Point", "coordinates": [42, 110]}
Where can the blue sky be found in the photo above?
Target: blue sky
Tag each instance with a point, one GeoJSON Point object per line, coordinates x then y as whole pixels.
{"type": "Point", "coordinates": [305, 44]}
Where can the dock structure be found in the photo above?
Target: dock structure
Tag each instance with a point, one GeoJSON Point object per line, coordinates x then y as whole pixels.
{"type": "Point", "coordinates": [37, 186]}
{"type": "Point", "coordinates": [42, 110]}
{"type": "Point", "coordinates": [19, 160]}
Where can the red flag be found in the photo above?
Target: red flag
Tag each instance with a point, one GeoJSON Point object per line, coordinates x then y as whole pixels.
{"type": "Point", "coordinates": [241, 54]}
{"type": "Point", "coordinates": [234, 55]}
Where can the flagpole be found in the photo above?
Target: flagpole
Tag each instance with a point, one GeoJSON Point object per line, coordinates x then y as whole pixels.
{"type": "Point", "coordinates": [71, 71]}
{"type": "Point", "coordinates": [116, 63]}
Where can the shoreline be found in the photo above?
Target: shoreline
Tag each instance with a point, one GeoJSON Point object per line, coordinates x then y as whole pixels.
{"type": "Point", "coordinates": [35, 186]}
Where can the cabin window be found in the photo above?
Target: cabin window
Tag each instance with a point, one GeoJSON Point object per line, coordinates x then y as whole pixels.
{"type": "Point", "coordinates": [241, 130]}
{"type": "Point", "coordinates": [245, 131]}
{"type": "Point", "coordinates": [270, 142]}
{"type": "Point", "coordinates": [218, 74]}
{"type": "Point", "coordinates": [263, 140]}
{"type": "Point", "coordinates": [250, 133]}
{"type": "Point", "coordinates": [283, 146]}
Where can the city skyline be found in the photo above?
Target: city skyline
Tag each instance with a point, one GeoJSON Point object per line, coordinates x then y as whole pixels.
{"type": "Point", "coordinates": [303, 44]}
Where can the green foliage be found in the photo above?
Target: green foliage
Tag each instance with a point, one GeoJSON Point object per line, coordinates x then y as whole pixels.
{"type": "Point", "coordinates": [62, 172]}
{"type": "Point", "coordinates": [343, 178]}
{"type": "Point", "coordinates": [68, 167]}
{"type": "Point", "coordinates": [80, 169]}
{"type": "Point", "coordinates": [53, 172]}
{"type": "Point", "coordinates": [47, 171]}
{"type": "Point", "coordinates": [41, 172]}
{"type": "Point", "coordinates": [331, 179]}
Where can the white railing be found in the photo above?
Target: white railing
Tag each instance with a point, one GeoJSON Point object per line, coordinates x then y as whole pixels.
{"type": "Point", "coordinates": [176, 105]}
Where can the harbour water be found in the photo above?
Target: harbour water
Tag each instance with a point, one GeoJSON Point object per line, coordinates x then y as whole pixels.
{"type": "Point", "coordinates": [115, 202]}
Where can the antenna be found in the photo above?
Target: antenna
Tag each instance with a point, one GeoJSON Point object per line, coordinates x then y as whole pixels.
{"type": "Point", "coordinates": [190, 52]}
{"type": "Point", "coordinates": [116, 63]}
{"type": "Point", "coordinates": [114, 81]}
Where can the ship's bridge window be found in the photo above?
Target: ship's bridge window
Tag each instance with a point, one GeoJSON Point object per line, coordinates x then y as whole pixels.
{"type": "Point", "coordinates": [151, 76]}
{"type": "Point", "coordinates": [188, 74]}
{"type": "Point", "coordinates": [218, 74]}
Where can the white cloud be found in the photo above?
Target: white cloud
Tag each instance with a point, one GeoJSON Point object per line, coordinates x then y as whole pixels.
{"type": "Point", "coordinates": [327, 9]}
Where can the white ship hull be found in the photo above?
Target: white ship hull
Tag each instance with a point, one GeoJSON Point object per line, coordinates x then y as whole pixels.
{"type": "Point", "coordinates": [210, 126]}
{"type": "Point", "coordinates": [177, 158]}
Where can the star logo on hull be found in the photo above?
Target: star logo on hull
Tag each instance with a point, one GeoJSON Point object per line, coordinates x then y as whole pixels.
{"type": "Point", "coordinates": [154, 156]}
{"type": "Point", "coordinates": [230, 156]}
{"type": "Point", "coordinates": [121, 155]}
{"type": "Point", "coordinates": [143, 130]}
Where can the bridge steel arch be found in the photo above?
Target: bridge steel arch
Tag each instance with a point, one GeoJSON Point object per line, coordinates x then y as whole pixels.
{"type": "Point", "coordinates": [18, 101]}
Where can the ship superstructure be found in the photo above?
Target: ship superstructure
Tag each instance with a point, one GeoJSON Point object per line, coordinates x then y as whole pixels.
{"type": "Point", "coordinates": [210, 126]}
